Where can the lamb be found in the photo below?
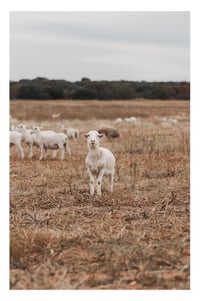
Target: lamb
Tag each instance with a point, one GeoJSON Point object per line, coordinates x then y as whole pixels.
{"type": "Point", "coordinates": [51, 140]}
{"type": "Point", "coordinates": [130, 120]}
{"type": "Point", "coordinates": [100, 161]}
{"type": "Point", "coordinates": [54, 116]}
{"type": "Point", "coordinates": [26, 137]}
{"type": "Point", "coordinates": [36, 141]}
{"type": "Point", "coordinates": [15, 139]}
{"type": "Point", "coordinates": [118, 121]}
{"type": "Point", "coordinates": [72, 133]}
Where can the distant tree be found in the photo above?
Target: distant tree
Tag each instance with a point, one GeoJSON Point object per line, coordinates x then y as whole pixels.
{"type": "Point", "coordinates": [29, 91]}
{"type": "Point", "coordinates": [43, 88]}
{"type": "Point", "coordinates": [83, 93]}
{"type": "Point", "coordinates": [54, 92]}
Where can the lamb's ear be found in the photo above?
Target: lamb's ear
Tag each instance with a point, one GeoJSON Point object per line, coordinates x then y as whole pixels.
{"type": "Point", "coordinates": [85, 135]}
{"type": "Point", "coordinates": [101, 135]}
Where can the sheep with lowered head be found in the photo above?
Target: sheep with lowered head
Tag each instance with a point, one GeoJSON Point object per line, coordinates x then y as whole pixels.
{"type": "Point", "coordinates": [109, 132]}
{"type": "Point", "coordinates": [100, 161]}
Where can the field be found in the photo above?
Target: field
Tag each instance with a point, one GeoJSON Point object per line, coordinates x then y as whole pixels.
{"type": "Point", "coordinates": [138, 238]}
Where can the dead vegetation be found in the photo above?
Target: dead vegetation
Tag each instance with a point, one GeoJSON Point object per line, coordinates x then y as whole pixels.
{"type": "Point", "coordinates": [136, 238]}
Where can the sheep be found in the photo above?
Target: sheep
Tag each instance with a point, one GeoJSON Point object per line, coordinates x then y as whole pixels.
{"type": "Point", "coordinates": [54, 116]}
{"type": "Point", "coordinates": [72, 133]}
{"type": "Point", "coordinates": [100, 161]}
{"type": "Point", "coordinates": [109, 132]}
{"type": "Point", "coordinates": [51, 140]}
{"type": "Point", "coordinates": [118, 121]}
{"type": "Point", "coordinates": [26, 137]}
{"type": "Point", "coordinates": [15, 139]}
{"type": "Point", "coordinates": [130, 120]}
{"type": "Point", "coordinates": [36, 141]}
{"type": "Point", "coordinates": [166, 122]}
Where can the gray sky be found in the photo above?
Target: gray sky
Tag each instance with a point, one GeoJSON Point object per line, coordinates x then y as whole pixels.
{"type": "Point", "coordinates": [151, 46]}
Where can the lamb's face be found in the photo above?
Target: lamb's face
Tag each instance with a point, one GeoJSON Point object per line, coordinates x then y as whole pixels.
{"type": "Point", "coordinates": [21, 127]}
{"type": "Point", "coordinates": [93, 138]}
{"type": "Point", "coordinates": [36, 129]}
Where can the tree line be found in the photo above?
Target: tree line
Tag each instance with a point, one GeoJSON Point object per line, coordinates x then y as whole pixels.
{"type": "Point", "coordinates": [42, 88]}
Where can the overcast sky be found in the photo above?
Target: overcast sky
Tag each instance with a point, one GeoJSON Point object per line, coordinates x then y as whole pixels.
{"type": "Point", "coordinates": [151, 46]}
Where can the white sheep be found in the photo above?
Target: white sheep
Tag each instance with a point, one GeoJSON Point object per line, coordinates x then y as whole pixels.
{"type": "Point", "coordinates": [26, 137]}
{"type": "Point", "coordinates": [72, 133]}
{"type": "Point", "coordinates": [36, 141]}
{"type": "Point", "coordinates": [118, 121]}
{"type": "Point", "coordinates": [130, 120]}
{"type": "Point", "coordinates": [99, 161]}
{"type": "Point", "coordinates": [55, 116]}
{"type": "Point", "coordinates": [51, 140]}
{"type": "Point", "coordinates": [15, 139]}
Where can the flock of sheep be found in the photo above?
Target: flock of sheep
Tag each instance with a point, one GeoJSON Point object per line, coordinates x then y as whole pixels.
{"type": "Point", "coordinates": [100, 161]}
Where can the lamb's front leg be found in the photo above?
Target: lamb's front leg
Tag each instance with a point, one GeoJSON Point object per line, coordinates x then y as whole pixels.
{"type": "Point", "coordinates": [92, 181]}
{"type": "Point", "coordinates": [111, 182]}
{"type": "Point", "coordinates": [41, 151]}
{"type": "Point", "coordinates": [30, 151]}
{"type": "Point", "coordinates": [99, 180]}
{"type": "Point", "coordinates": [20, 151]}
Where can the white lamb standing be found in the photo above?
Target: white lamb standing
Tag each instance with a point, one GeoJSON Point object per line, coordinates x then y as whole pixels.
{"type": "Point", "coordinates": [51, 140]}
{"type": "Point", "coordinates": [15, 139]}
{"type": "Point", "coordinates": [100, 161]}
{"type": "Point", "coordinates": [36, 141]}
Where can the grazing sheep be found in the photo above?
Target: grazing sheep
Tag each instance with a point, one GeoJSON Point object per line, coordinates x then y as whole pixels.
{"type": "Point", "coordinates": [130, 120]}
{"type": "Point", "coordinates": [166, 122]}
{"type": "Point", "coordinates": [54, 116]}
{"type": "Point", "coordinates": [26, 137]}
{"type": "Point", "coordinates": [99, 161]}
{"type": "Point", "coordinates": [15, 139]}
{"type": "Point", "coordinates": [118, 121]}
{"type": "Point", "coordinates": [72, 133]}
{"type": "Point", "coordinates": [109, 132]}
{"type": "Point", "coordinates": [49, 140]}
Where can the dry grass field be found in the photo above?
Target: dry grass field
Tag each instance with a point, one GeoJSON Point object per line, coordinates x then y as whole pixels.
{"type": "Point", "coordinates": [138, 238]}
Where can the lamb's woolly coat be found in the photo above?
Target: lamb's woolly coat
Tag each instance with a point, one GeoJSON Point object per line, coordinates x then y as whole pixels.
{"type": "Point", "coordinates": [15, 139]}
{"type": "Point", "coordinates": [100, 161]}
{"type": "Point", "coordinates": [51, 141]}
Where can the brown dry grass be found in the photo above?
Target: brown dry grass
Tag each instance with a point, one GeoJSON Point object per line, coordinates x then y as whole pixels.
{"type": "Point", "coordinates": [136, 238]}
